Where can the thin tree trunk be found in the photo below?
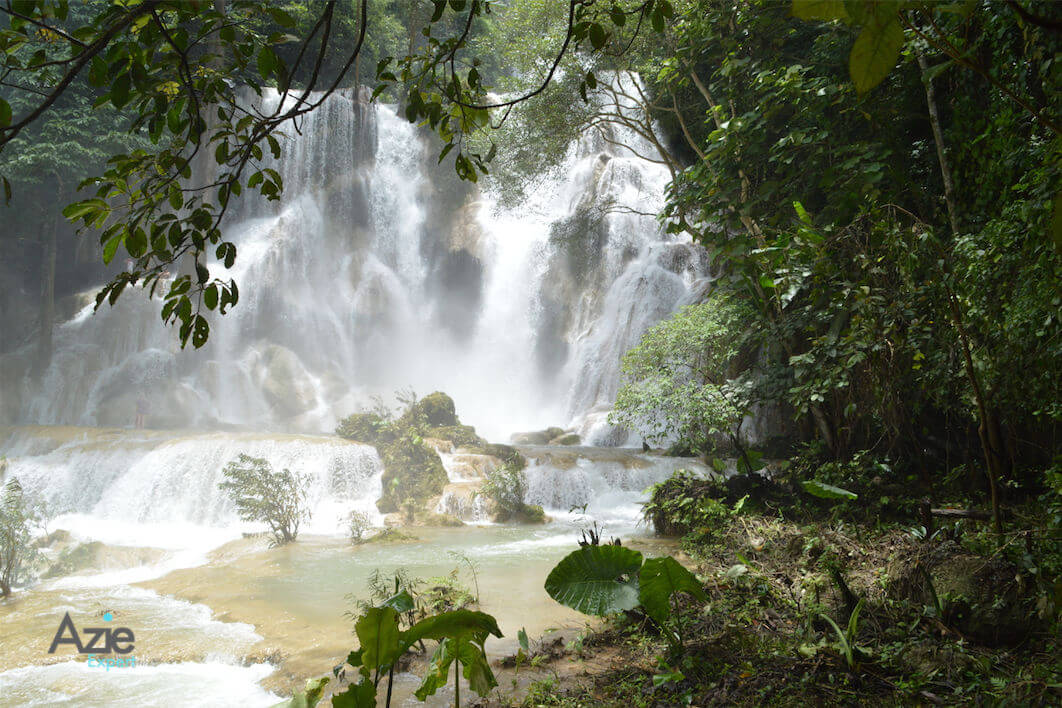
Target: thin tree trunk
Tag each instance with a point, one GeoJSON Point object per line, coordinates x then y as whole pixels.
{"type": "Point", "coordinates": [938, 137]}
{"type": "Point", "coordinates": [988, 427]}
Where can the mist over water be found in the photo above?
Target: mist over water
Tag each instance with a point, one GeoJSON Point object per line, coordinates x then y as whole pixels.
{"type": "Point", "coordinates": [380, 270]}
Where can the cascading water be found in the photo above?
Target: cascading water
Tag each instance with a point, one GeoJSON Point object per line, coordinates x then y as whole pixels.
{"type": "Point", "coordinates": [379, 270]}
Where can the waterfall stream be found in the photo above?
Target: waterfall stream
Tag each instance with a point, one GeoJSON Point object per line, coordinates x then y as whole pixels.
{"type": "Point", "coordinates": [380, 270]}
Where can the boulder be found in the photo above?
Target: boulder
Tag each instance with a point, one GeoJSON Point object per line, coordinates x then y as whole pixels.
{"type": "Point", "coordinates": [566, 439]}
{"type": "Point", "coordinates": [536, 437]}
{"type": "Point", "coordinates": [459, 435]}
{"type": "Point", "coordinates": [413, 472]}
{"type": "Point", "coordinates": [436, 410]}
{"type": "Point", "coordinates": [286, 384]}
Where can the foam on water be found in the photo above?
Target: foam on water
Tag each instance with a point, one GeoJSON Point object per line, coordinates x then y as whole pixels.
{"type": "Point", "coordinates": [192, 684]}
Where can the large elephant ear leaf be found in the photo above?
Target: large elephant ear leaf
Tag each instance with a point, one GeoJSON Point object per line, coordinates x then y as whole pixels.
{"type": "Point", "coordinates": [597, 580]}
{"type": "Point", "coordinates": [458, 624]}
{"type": "Point", "coordinates": [659, 580]}
{"type": "Point", "coordinates": [378, 633]}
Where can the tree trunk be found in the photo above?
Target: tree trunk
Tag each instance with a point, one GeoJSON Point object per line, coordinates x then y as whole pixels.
{"type": "Point", "coordinates": [47, 302]}
{"type": "Point", "coordinates": [988, 427]}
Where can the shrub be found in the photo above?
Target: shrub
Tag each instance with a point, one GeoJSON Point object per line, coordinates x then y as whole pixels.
{"type": "Point", "coordinates": [369, 428]}
{"type": "Point", "coordinates": [277, 499]}
{"type": "Point", "coordinates": [359, 523]}
{"type": "Point", "coordinates": [683, 503]}
{"type": "Point", "coordinates": [17, 520]}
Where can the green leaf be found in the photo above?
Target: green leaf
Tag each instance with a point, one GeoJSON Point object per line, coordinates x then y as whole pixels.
{"type": "Point", "coordinates": [210, 296]}
{"type": "Point", "coordinates": [826, 491]}
{"type": "Point", "coordinates": [598, 36]}
{"type": "Point", "coordinates": [359, 695]}
{"type": "Point", "coordinates": [661, 578]}
{"type": "Point", "coordinates": [120, 91]}
{"type": "Point", "coordinates": [458, 623]}
{"type": "Point", "coordinates": [597, 580]}
{"type": "Point", "coordinates": [111, 247]}
{"type": "Point", "coordinates": [875, 51]}
{"type": "Point", "coordinates": [5, 113]}
{"type": "Point", "coordinates": [522, 637]}
{"type": "Point", "coordinates": [378, 634]}
{"type": "Point", "coordinates": [400, 602]}
{"type": "Point", "coordinates": [308, 698]}
{"type": "Point", "coordinates": [825, 10]}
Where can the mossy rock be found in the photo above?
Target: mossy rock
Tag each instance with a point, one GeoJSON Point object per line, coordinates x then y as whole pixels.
{"type": "Point", "coordinates": [982, 597]}
{"type": "Point", "coordinates": [412, 471]}
{"type": "Point", "coordinates": [368, 428]}
{"type": "Point", "coordinates": [435, 410]}
{"type": "Point", "coordinates": [390, 535]}
{"type": "Point", "coordinates": [75, 558]}
{"type": "Point", "coordinates": [459, 435]}
{"type": "Point", "coordinates": [566, 439]}
{"type": "Point", "coordinates": [537, 437]}
{"type": "Point", "coordinates": [531, 514]}
{"type": "Point", "coordinates": [506, 453]}
{"type": "Point", "coordinates": [439, 520]}
{"type": "Point", "coordinates": [528, 514]}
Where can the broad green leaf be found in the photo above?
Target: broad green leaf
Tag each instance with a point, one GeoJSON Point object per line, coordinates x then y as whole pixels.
{"type": "Point", "coordinates": [876, 50]}
{"type": "Point", "coordinates": [359, 695]}
{"type": "Point", "coordinates": [597, 580]}
{"type": "Point", "coordinates": [661, 578]}
{"type": "Point", "coordinates": [400, 602]}
{"type": "Point", "coordinates": [5, 113]}
{"type": "Point", "coordinates": [825, 10]}
{"type": "Point", "coordinates": [474, 667]}
{"type": "Point", "coordinates": [307, 698]}
{"type": "Point", "coordinates": [826, 491]}
{"type": "Point", "coordinates": [458, 623]}
{"type": "Point", "coordinates": [378, 634]}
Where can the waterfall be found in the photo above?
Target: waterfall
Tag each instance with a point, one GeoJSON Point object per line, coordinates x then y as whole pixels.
{"type": "Point", "coordinates": [379, 270]}
{"type": "Point", "coordinates": [135, 479]}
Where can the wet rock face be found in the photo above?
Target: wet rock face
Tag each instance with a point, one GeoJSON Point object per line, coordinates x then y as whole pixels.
{"type": "Point", "coordinates": [459, 291]}
{"type": "Point", "coordinates": [285, 382]}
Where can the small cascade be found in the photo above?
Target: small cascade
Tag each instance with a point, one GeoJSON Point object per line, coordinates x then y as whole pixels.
{"type": "Point", "coordinates": [608, 485]}
{"type": "Point", "coordinates": [136, 477]}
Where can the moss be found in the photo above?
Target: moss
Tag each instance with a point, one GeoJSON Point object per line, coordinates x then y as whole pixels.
{"type": "Point", "coordinates": [412, 472]}
{"type": "Point", "coordinates": [391, 535]}
{"type": "Point", "coordinates": [434, 410]}
{"type": "Point", "coordinates": [74, 559]}
{"type": "Point", "coordinates": [537, 437]}
{"type": "Point", "coordinates": [459, 435]}
{"type": "Point", "coordinates": [368, 428]}
{"type": "Point", "coordinates": [568, 439]}
{"type": "Point", "coordinates": [433, 519]}
{"type": "Point", "coordinates": [506, 453]}
{"type": "Point", "coordinates": [531, 514]}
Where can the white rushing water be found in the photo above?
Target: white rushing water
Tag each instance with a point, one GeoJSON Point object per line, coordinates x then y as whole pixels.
{"type": "Point", "coordinates": [380, 270]}
{"type": "Point", "coordinates": [152, 489]}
